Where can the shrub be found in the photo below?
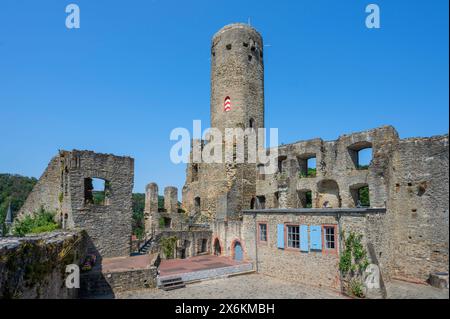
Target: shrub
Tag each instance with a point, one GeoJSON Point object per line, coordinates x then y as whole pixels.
{"type": "Point", "coordinates": [42, 221]}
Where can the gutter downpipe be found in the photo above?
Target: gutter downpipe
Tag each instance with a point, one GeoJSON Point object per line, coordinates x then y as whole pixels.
{"type": "Point", "coordinates": [256, 243]}
{"type": "Point", "coordinates": [338, 217]}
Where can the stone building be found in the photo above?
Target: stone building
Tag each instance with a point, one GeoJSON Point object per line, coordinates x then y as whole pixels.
{"type": "Point", "coordinates": [237, 101]}
{"type": "Point", "coordinates": [67, 188]}
{"type": "Point", "coordinates": [398, 200]}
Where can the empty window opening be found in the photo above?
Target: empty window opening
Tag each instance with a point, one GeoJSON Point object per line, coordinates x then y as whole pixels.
{"type": "Point", "coordinates": [195, 172]}
{"type": "Point", "coordinates": [307, 166]}
{"type": "Point", "coordinates": [305, 199]}
{"type": "Point", "coordinates": [261, 202]}
{"type": "Point", "coordinates": [251, 123]}
{"type": "Point", "coordinates": [96, 191]}
{"type": "Point", "coordinates": [361, 154]}
{"type": "Point", "coordinates": [197, 205]}
{"type": "Point", "coordinates": [329, 235]}
{"type": "Point", "coordinates": [203, 245]}
{"type": "Point", "coordinates": [293, 236]}
{"type": "Point", "coordinates": [253, 48]}
{"type": "Point", "coordinates": [253, 203]}
{"type": "Point", "coordinates": [228, 46]}
{"type": "Point", "coordinates": [281, 164]}
{"type": "Point", "coordinates": [217, 248]}
{"type": "Point", "coordinates": [167, 222]}
{"type": "Point", "coordinates": [245, 44]}
{"type": "Point", "coordinates": [250, 58]}
{"type": "Point", "coordinates": [360, 194]}
{"type": "Point", "coordinates": [263, 232]}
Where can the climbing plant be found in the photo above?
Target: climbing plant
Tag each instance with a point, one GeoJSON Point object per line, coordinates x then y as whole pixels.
{"type": "Point", "coordinates": [168, 245]}
{"type": "Point", "coordinates": [353, 263]}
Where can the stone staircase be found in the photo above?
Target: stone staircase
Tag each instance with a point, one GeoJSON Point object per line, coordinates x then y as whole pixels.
{"type": "Point", "coordinates": [172, 284]}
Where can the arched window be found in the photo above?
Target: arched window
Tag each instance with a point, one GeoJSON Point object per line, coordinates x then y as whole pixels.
{"type": "Point", "coordinates": [251, 123]}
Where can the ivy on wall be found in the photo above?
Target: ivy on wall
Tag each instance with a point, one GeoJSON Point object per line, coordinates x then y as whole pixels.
{"type": "Point", "coordinates": [352, 264]}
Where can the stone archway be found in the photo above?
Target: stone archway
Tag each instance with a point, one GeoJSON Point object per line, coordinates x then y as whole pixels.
{"type": "Point", "coordinates": [237, 250]}
{"type": "Point", "coordinates": [217, 247]}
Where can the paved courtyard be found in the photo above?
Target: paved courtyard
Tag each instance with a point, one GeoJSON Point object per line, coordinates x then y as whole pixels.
{"type": "Point", "coordinates": [254, 286]}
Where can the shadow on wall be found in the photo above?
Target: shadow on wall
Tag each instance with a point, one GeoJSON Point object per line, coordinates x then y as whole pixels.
{"type": "Point", "coordinates": [93, 283]}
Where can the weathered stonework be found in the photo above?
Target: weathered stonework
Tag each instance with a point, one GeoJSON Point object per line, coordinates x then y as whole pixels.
{"type": "Point", "coordinates": [34, 267]}
{"type": "Point", "coordinates": [406, 178]}
{"type": "Point", "coordinates": [64, 189]}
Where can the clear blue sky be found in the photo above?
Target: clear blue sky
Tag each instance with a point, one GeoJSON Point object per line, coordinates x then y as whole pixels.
{"type": "Point", "coordinates": [137, 69]}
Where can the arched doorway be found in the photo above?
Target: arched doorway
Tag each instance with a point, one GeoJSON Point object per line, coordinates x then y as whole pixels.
{"type": "Point", "coordinates": [238, 252]}
{"type": "Point", "coordinates": [217, 248]}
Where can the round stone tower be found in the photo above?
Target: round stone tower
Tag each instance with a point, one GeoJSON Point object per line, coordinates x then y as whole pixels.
{"type": "Point", "coordinates": [237, 78]}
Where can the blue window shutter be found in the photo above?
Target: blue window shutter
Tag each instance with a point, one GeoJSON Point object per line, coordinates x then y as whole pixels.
{"type": "Point", "coordinates": [316, 237]}
{"type": "Point", "coordinates": [280, 235]}
{"type": "Point", "coordinates": [304, 244]}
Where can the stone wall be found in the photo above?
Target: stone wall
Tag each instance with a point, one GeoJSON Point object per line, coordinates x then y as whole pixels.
{"type": "Point", "coordinates": [100, 282]}
{"type": "Point", "coordinates": [63, 188]}
{"type": "Point", "coordinates": [419, 207]}
{"type": "Point", "coordinates": [46, 191]}
{"type": "Point", "coordinates": [188, 243]}
{"type": "Point", "coordinates": [168, 218]}
{"type": "Point", "coordinates": [34, 267]}
{"type": "Point", "coordinates": [224, 234]}
{"type": "Point", "coordinates": [237, 72]}
{"type": "Point", "coordinates": [315, 267]}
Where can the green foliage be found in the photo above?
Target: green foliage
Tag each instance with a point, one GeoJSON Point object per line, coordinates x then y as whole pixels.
{"type": "Point", "coordinates": [98, 198]}
{"type": "Point", "coordinates": [356, 288]}
{"type": "Point", "coordinates": [42, 221]}
{"type": "Point", "coordinates": [162, 222]}
{"type": "Point", "coordinates": [160, 202]}
{"type": "Point", "coordinates": [353, 262]}
{"type": "Point", "coordinates": [312, 172]}
{"type": "Point", "coordinates": [168, 245]}
{"type": "Point", "coordinates": [364, 196]}
{"type": "Point", "coordinates": [14, 189]}
{"type": "Point", "coordinates": [138, 215]}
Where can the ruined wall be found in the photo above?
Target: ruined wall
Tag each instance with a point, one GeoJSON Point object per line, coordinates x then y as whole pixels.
{"type": "Point", "coordinates": [108, 226]}
{"type": "Point", "coordinates": [237, 73]}
{"type": "Point", "coordinates": [62, 189]}
{"type": "Point", "coordinates": [171, 217]}
{"type": "Point", "coordinates": [46, 191]}
{"type": "Point", "coordinates": [188, 243]}
{"type": "Point", "coordinates": [337, 176]}
{"type": "Point", "coordinates": [34, 267]}
{"type": "Point", "coordinates": [418, 202]}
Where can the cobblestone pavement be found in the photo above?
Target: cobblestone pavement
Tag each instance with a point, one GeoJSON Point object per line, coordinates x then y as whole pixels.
{"type": "Point", "coordinates": [405, 290]}
{"type": "Point", "coordinates": [254, 286]}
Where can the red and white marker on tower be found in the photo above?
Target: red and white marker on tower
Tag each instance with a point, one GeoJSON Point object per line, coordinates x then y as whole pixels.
{"type": "Point", "coordinates": [227, 104]}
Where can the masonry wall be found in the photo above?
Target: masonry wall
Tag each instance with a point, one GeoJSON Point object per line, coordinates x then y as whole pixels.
{"type": "Point", "coordinates": [62, 190]}
{"type": "Point", "coordinates": [188, 243]}
{"type": "Point", "coordinates": [316, 268]}
{"type": "Point", "coordinates": [108, 226]}
{"type": "Point", "coordinates": [226, 233]}
{"type": "Point", "coordinates": [419, 207]}
{"type": "Point", "coordinates": [46, 191]}
{"type": "Point", "coordinates": [34, 267]}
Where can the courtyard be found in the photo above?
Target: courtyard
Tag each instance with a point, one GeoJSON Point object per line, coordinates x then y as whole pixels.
{"type": "Point", "coordinates": [253, 286]}
{"type": "Point", "coordinates": [257, 286]}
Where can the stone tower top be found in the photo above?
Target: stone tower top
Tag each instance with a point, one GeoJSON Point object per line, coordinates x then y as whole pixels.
{"type": "Point", "coordinates": [237, 78]}
{"type": "Point", "coordinates": [237, 26]}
